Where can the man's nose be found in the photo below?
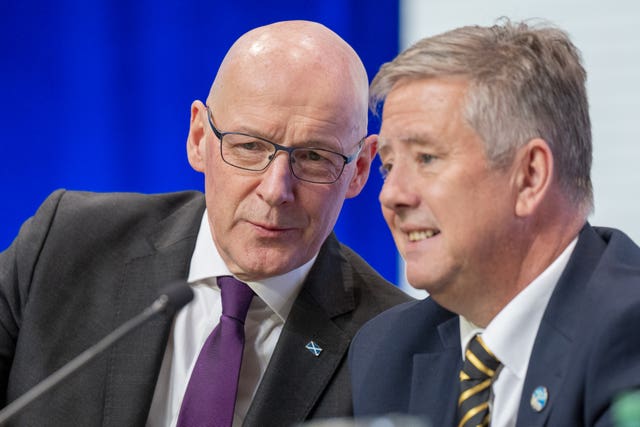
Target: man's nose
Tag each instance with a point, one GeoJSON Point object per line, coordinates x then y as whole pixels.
{"type": "Point", "coordinates": [398, 190]}
{"type": "Point", "coordinates": [277, 181]}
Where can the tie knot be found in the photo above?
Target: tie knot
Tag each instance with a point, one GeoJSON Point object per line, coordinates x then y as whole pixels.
{"type": "Point", "coordinates": [236, 297]}
{"type": "Point", "coordinates": [480, 363]}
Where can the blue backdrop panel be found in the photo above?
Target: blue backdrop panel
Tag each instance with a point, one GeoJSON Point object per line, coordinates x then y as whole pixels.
{"type": "Point", "coordinates": [95, 95]}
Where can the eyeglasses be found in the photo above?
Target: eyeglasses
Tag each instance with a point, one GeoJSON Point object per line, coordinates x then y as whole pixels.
{"type": "Point", "coordinates": [253, 153]}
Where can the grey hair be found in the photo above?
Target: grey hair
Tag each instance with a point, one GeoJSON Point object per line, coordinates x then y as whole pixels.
{"type": "Point", "coordinates": [525, 81]}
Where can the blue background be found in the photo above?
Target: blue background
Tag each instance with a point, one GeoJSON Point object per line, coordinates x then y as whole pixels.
{"type": "Point", "coordinates": [95, 96]}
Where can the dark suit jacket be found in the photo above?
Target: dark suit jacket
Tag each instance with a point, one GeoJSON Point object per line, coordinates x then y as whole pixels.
{"type": "Point", "coordinates": [587, 349]}
{"type": "Point", "coordinates": [86, 263]}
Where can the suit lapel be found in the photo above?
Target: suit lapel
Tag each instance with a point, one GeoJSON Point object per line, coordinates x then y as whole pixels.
{"type": "Point", "coordinates": [547, 369]}
{"type": "Point", "coordinates": [295, 378]}
{"type": "Point", "coordinates": [135, 361]}
{"type": "Point", "coordinates": [434, 384]}
{"type": "Point", "coordinates": [551, 355]}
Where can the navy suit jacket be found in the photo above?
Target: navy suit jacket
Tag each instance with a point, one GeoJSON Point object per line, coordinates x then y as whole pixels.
{"type": "Point", "coordinates": [87, 262]}
{"type": "Point", "coordinates": [587, 349]}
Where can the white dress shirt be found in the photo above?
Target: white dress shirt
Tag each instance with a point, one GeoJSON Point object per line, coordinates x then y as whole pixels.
{"type": "Point", "coordinates": [193, 324]}
{"type": "Point", "coordinates": [511, 335]}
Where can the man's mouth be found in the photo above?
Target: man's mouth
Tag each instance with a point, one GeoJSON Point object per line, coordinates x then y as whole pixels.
{"type": "Point", "coordinates": [417, 235]}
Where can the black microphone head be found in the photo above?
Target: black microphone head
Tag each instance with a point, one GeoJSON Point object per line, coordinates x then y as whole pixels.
{"type": "Point", "coordinates": [176, 295]}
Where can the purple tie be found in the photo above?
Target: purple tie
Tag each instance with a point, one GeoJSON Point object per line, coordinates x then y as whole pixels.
{"type": "Point", "coordinates": [211, 394]}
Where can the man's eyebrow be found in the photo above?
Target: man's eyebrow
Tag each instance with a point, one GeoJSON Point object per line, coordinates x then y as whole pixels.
{"type": "Point", "coordinates": [324, 144]}
{"type": "Point", "coordinates": [313, 142]}
{"type": "Point", "coordinates": [413, 139]}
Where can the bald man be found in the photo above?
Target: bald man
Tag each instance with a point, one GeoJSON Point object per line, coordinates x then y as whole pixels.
{"type": "Point", "coordinates": [281, 141]}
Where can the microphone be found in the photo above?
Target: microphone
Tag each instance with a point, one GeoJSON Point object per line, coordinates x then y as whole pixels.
{"type": "Point", "coordinates": [173, 298]}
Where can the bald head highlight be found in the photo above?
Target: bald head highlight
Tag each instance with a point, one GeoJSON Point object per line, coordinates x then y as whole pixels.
{"type": "Point", "coordinates": [289, 56]}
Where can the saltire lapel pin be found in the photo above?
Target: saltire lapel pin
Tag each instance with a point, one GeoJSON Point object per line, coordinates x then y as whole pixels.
{"type": "Point", "coordinates": [539, 398]}
{"type": "Point", "coordinates": [314, 348]}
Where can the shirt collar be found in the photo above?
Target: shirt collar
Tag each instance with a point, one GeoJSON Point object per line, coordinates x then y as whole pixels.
{"type": "Point", "coordinates": [277, 292]}
{"type": "Point", "coordinates": [511, 334]}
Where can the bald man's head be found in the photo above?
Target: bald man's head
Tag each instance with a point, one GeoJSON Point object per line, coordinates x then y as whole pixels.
{"type": "Point", "coordinates": [282, 143]}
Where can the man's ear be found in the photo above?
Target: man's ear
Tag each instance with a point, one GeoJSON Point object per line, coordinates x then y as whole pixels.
{"type": "Point", "coordinates": [363, 165]}
{"type": "Point", "coordinates": [196, 144]}
{"type": "Point", "coordinates": [533, 175]}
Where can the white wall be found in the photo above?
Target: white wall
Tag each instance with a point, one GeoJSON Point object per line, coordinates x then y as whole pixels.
{"type": "Point", "coordinates": [607, 34]}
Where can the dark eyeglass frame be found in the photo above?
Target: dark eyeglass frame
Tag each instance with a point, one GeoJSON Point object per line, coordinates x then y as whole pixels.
{"type": "Point", "coordinates": [347, 159]}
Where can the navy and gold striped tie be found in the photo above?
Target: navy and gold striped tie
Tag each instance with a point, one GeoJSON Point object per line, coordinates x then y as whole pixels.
{"type": "Point", "coordinates": [476, 377]}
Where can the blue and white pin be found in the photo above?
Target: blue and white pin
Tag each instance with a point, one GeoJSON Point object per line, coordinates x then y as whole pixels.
{"type": "Point", "coordinates": [314, 348]}
{"type": "Point", "coordinates": [539, 398]}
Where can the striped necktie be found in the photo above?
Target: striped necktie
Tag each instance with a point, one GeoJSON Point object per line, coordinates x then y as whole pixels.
{"type": "Point", "coordinates": [476, 377]}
